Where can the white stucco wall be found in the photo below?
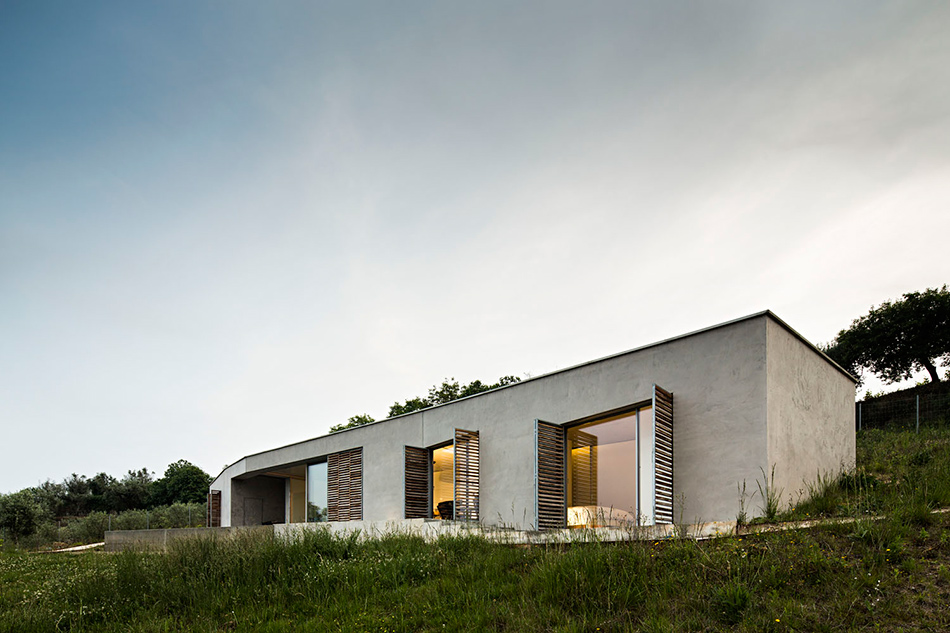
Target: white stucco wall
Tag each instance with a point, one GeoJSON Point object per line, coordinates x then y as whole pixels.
{"type": "Point", "coordinates": [811, 415]}
{"type": "Point", "coordinates": [722, 409]}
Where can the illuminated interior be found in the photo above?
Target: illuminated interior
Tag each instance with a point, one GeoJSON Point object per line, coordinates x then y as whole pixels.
{"type": "Point", "coordinates": [443, 482]}
{"type": "Point", "coordinates": [602, 465]}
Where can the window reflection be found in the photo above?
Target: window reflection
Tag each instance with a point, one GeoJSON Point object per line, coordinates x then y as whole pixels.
{"type": "Point", "coordinates": [317, 492]}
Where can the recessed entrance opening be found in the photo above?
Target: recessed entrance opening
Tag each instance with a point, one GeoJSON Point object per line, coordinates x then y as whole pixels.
{"type": "Point", "coordinates": [295, 493]}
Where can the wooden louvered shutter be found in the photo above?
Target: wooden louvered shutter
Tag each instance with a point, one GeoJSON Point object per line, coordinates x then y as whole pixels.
{"type": "Point", "coordinates": [466, 475]}
{"type": "Point", "coordinates": [417, 483]}
{"type": "Point", "coordinates": [345, 485]}
{"type": "Point", "coordinates": [583, 448]}
{"type": "Point", "coordinates": [663, 455]}
{"type": "Point", "coordinates": [214, 509]}
{"type": "Point", "coordinates": [550, 484]}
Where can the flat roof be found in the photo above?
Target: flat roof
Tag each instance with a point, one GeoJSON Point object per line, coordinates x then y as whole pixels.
{"type": "Point", "coordinates": [763, 313]}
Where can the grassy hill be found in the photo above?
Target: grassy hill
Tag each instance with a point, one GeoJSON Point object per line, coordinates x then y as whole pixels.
{"type": "Point", "coordinates": [862, 573]}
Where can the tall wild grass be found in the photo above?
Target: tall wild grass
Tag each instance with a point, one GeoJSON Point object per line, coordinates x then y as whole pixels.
{"type": "Point", "coordinates": [890, 573]}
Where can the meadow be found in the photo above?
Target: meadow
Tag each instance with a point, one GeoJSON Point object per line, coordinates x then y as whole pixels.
{"type": "Point", "coordinates": [884, 566]}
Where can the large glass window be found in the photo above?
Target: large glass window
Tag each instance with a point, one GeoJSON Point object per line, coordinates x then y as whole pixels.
{"type": "Point", "coordinates": [443, 482]}
{"type": "Point", "coordinates": [602, 471]}
{"type": "Point", "coordinates": [317, 492]}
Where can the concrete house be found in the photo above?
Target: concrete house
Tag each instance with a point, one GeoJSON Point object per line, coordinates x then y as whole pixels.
{"type": "Point", "coordinates": [664, 432]}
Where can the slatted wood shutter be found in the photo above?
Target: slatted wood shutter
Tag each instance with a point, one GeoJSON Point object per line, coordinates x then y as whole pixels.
{"type": "Point", "coordinates": [663, 455]}
{"type": "Point", "coordinates": [583, 448]}
{"type": "Point", "coordinates": [214, 509]}
{"type": "Point", "coordinates": [466, 475]}
{"type": "Point", "coordinates": [550, 484]}
{"type": "Point", "coordinates": [345, 485]}
{"type": "Point", "coordinates": [417, 483]}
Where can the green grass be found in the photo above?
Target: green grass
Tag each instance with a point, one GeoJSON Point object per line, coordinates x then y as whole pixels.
{"type": "Point", "coordinates": [890, 574]}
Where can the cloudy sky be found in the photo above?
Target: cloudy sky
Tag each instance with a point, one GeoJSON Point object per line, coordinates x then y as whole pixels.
{"type": "Point", "coordinates": [227, 226]}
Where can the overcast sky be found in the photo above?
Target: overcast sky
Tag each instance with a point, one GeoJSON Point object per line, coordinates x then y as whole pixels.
{"type": "Point", "coordinates": [225, 227]}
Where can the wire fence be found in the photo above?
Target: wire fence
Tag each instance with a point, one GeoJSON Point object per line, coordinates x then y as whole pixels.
{"type": "Point", "coordinates": [911, 412]}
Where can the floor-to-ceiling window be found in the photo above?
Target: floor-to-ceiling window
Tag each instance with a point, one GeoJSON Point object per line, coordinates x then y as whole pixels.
{"type": "Point", "coordinates": [443, 482]}
{"type": "Point", "coordinates": [317, 492]}
{"type": "Point", "coordinates": [604, 460]}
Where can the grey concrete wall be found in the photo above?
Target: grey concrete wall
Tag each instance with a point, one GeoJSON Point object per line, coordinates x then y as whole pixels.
{"type": "Point", "coordinates": [271, 492]}
{"type": "Point", "coordinates": [718, 382]}
{"type": "Point", "coordinates": [718, 378]}
{"type": "Point", "coordinates": [158, 540]}
{"type": "Point", "coordinates": [811, 414]}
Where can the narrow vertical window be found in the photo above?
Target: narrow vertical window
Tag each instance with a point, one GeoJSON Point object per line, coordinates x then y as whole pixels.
{"type": "Point", "coordinates": [317, 492]}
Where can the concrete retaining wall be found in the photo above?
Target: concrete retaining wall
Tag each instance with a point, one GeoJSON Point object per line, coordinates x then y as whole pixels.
{"type": "Point", "coordinates": [158, 540]}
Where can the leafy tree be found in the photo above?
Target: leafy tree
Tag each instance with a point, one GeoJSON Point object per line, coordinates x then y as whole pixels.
{"type": "Point", "coordinates": [19, 513]}
{"type": "Point", "coordinates": [51, 497]}
{"type": "Point", "coordinates": [102, 493]}
{"type": "Point", "coordinates": [448, 391]}
{"type": "Point", "coordinates": [77, 497]}
{"type": "Point", "coordinates": [183, 482]}
{"type": "Point", "coordinates": [413, 404]}
{"type": "Point", "coordinates": [356, 420]}
{"type": "Point", "coordinates": [898, 337]}
{"type": "Point", "coordinates": [133, 492]}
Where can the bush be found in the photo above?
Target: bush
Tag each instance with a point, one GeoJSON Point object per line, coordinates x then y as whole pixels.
{"type": "Point", "coordinates": [729, 602]}
{"type": "Point", "coordinates": [19, 514]}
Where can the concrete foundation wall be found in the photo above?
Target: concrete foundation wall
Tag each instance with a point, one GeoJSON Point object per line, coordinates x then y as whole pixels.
{"type": "Point", "coordinates": [811, 415]}
{"type": "Point", "coordinates": [719, 379]}
{"type": "Point", "coordinates": [159, 540]}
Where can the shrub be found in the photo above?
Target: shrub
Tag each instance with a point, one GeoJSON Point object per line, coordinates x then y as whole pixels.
{"type": "Point", "coordinates": [730, 602]}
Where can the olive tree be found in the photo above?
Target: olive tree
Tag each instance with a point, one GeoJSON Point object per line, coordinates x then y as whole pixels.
{"type": "Point", "coordinates": [897, 338]}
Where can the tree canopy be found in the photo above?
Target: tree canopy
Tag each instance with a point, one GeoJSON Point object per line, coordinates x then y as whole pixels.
{"type": "Point", "coordinates": [897, 338]}
{"type": "Point", "coordinates": [449, 390]}
{"type": "Point", "coordinates": [79, 495]}
{"type": "Point", "coordinates": [183, 483]}
{"type": "Point", "coordinates": [19, 513]}
{"type": "Point", "coordinates": [356, 420]}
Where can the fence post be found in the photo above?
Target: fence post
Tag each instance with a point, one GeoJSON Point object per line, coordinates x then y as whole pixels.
{"type": "Point", "coordinates": [918, 413]}
{"type": "Point", "coordinates": [859, 415]}
{"type": "Point", "coordinates": [110, 521]}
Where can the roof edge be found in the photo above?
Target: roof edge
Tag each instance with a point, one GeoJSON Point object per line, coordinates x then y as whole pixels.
{"type": "Point", "coordinates": [814, 347]}
{"type": "Point", "coordinates": [749, 317]}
